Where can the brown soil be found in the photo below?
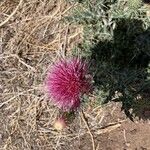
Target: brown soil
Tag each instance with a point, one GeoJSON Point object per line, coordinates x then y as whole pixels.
{"type": "Point", "coordinates": [116, 133]}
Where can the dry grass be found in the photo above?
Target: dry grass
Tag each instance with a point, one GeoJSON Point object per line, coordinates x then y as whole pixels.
{"type": "Point", "coordinates": [32, 36]}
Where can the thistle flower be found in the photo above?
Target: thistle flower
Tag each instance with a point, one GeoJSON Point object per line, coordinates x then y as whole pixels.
{"type": "Point", "coordinates": [67, 81]}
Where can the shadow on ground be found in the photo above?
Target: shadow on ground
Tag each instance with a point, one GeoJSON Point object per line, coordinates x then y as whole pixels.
{"type": "Point", "coordinates": [121, 68]}
{"type": "Point", "coordinates": [146, 1]}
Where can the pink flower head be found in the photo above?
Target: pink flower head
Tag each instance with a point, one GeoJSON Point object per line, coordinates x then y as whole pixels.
{"type": "Point", "coordinates": [67, 81]}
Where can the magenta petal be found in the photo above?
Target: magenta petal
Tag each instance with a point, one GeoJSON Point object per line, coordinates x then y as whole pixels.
{"type": "Point", "coordinates": [66, 82]}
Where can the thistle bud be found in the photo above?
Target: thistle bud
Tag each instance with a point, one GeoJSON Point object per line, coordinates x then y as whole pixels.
{"type": "Point", "coordinates": [60, 124]}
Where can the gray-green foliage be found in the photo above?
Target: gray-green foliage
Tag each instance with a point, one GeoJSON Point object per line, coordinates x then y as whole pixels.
{"type": "Point", "coordinates": [134, 4]}
{"type": "Point", "coordinates": [99, 19]}
{"type": "Point", "coordinates": [97, 24]}
{"type": "Point", "coordinates": [116, 40]}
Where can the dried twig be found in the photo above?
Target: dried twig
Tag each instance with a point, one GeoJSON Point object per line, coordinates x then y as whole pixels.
{"type": "Point", "coordinates": [84, 120]}
{"type": "Point", "coordinates": [109, 127]}
{"type": "Point", "coordinates": [12, 14]}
